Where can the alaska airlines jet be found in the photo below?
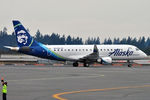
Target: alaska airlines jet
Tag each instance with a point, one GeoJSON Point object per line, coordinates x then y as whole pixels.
{"type": "Point", "coordinates": [86, 54]}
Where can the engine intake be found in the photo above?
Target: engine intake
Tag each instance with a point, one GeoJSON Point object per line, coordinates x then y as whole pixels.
{"type": "Point", "coordinates": [105, 60]}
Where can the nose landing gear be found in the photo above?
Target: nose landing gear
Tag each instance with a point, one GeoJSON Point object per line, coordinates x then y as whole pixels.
{"type": "Point", "coordinates": [129, 63]}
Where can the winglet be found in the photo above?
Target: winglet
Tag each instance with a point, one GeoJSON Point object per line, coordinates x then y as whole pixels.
{"type": "Point", "coordinates": [95, 50]}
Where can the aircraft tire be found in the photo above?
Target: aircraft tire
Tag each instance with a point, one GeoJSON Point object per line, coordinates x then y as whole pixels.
{"type": "Point", "coordinates": [75, 64]}
{"type": "Point", "coordinates": [86, 65]}
{"type": "Point", "coordinates": [129, 65]}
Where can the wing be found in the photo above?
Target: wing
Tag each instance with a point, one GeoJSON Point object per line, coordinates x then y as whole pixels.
{"type": "Point", "coordinates": [91, 57]}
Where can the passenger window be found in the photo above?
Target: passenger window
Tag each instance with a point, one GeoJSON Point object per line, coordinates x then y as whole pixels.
{"type": "Point", "coordinates": [79, 49]}
{"type": "Point", "coordinates": [82, 49]}
{"type": "Point", "coordinates": [72, 49]}
{"type": "Point", "coordinates": [76, 49]}
{"type": "Point", "coordinates": [107, 49]}
{"type": "Point", "coordinates": [86, 49]}
{"type": "Point", "coordinates": [68, 49]}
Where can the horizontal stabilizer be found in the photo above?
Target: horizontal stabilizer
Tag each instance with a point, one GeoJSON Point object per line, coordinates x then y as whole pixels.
{"type": "Point", "coordinates": [12, 48]}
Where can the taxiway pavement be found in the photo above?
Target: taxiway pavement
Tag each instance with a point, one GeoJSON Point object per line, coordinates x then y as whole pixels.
{"type": "Point", "coordinates": [71, 83]}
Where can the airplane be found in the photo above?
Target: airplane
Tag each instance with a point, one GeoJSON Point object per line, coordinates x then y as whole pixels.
{"type": "Point", "coordinates": [86, 54]}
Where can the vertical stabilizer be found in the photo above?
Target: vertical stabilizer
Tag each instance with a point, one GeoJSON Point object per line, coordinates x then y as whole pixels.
{"type": "Point", "coordinates": [23, 37]}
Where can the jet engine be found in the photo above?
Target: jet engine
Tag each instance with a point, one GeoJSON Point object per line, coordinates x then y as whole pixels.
{"type": "Point", "coordinates": [104, 60]}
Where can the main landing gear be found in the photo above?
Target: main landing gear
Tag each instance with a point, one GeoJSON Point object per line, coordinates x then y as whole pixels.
{"type": "Point", "coordinates": [86, 64]}
{"type": "Point", "coordinates": [75, 64]}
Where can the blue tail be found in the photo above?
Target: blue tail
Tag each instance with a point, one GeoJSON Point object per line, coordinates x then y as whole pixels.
{"type": "Point", "coordinates": [23, 38]}
{"type": "Point", "coordinates": [28, 45]}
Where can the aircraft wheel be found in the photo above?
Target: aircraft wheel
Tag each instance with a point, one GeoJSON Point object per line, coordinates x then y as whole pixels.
{"type": "Point", "coordinates": [86, 65]}
{"type": "Point", "coordinates": [75, 64]}
{"type": "Point", "coordinates": [129, 65]}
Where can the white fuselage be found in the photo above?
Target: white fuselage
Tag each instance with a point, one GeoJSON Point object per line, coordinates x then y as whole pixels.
{"type": "Point", "coordinates": [116, 52]}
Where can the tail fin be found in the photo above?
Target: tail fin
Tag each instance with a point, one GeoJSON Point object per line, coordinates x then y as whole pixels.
{"type": "Point", "coordinates": [23, 38]}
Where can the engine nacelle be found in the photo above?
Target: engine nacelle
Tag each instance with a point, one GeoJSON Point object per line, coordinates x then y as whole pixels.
{"type": "Point", "coordinates": [99, 60]}
{"type": "Point", "coordinates": [105, 60]}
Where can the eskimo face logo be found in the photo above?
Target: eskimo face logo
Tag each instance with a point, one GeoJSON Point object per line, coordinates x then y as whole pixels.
{"type": "Point", "coordinates": [22, 37]}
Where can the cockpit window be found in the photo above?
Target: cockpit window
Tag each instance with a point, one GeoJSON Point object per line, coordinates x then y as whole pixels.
{"type": "Point", "coordinates": [137, 49]}
{"type": "Point", "coordinates": [130, 47]}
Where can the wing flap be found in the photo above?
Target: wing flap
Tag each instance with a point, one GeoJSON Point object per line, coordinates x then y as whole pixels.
{"type": "Point", "coordinates": [90, 57]}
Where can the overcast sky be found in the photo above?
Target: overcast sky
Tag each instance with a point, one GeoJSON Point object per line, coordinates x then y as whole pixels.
{"type": "Point", "coordinates": [84, 18]}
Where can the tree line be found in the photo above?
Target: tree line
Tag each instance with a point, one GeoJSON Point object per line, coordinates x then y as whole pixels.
{"type": "Point", "coordinates": [56, 39]}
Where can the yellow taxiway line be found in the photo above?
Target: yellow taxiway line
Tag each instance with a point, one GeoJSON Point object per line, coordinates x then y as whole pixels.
{"type": "Point", "coordinates": [57, 96]}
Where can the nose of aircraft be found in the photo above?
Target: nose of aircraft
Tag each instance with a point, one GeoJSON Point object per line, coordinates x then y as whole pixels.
{"type": "Point", "coordinates": [143, 54]}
